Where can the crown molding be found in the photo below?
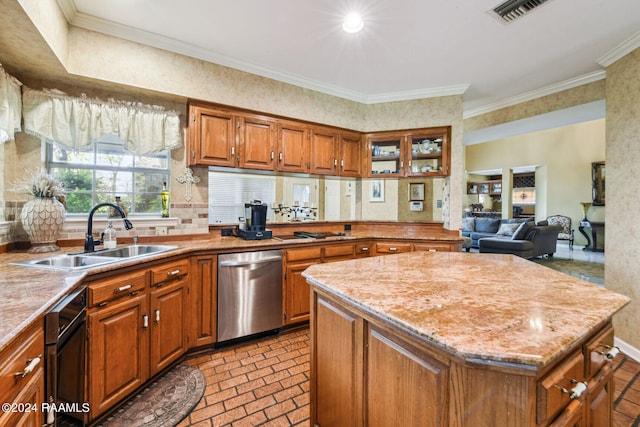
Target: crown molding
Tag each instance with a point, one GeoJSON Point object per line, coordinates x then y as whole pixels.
{"type": "Point", "coordinates": [92, 23]}
{"type": "Point", "coordinates": [531, 95]}
{"type": "Point", "coordinates": [623, 49]}
{"type": "Point", "coordinates": [69, 9]}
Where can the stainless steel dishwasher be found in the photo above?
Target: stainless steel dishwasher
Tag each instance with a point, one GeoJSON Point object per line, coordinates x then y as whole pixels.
{"type": "Point", "coordinates": [249, 293]}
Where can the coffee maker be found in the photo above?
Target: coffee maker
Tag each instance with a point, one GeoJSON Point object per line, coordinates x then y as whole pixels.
{"type": "Point", "coordinates": [255, 226]}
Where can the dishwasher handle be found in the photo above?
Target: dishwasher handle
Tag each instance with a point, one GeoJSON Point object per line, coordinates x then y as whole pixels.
{"type": "Point", "coordinates": [264, 260]}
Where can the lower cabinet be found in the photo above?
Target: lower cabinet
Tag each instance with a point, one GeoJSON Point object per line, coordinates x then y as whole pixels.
{"type": "Point", "coordinates": [118, 351]}
{"type": "Point", "coordinates": [136, 327]}
{"type": "Point", "coordinates": [203, 300]}
{"type": "Point", "coordinates": [22, 379]}
{"type": "Point", "coordinates": [296, 288]}
{"type": "Point", "coordinates": [366, 371]}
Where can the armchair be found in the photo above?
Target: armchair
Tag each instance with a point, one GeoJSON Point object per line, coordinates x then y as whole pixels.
{"type": "Point", "coordinates": [567, 232]}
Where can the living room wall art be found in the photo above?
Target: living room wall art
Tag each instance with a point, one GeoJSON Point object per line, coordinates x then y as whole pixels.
{"type": "Point", "coordinates": [597, 182]}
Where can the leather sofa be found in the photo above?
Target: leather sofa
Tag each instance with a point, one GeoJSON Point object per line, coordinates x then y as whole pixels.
{"type": "Point", "coordinates": [529, 241]}
{"type": "Point", "coordinates": [477, 228]}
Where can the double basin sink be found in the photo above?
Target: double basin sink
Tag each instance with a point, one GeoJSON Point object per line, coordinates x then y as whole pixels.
{"type": "Point", "coordinates": [78, 261]}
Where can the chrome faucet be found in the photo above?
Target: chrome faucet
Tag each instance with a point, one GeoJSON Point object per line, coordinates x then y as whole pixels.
{"type": "Point", "coordinates": [89, 243]}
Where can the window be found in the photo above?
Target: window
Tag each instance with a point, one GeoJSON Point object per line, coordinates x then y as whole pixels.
{"type": "Point", "coordinates": [105, 170]}
{"type": "Point", "coordinates": [228, 192]}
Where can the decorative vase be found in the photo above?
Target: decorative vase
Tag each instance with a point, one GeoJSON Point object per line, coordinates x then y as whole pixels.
{"type": "Point", "coordinates": [42, 219]}
{"type": "Point", "coordinates": [585, 209]}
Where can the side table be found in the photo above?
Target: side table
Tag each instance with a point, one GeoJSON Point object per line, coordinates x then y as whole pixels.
{"type": "Point", "coordinates": [592, 242]}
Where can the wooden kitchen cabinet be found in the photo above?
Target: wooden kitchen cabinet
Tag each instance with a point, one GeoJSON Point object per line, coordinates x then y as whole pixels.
{"type": "Point", "coordinates": [220, 136]}
{"type": "Point", "coordinates": [293, 147]}
{"type": "Point", "coordinates": [350, 156]}
{"type": "Point", "coordinates": [296, 288]}
{"type": "Point", "coordinates": [118, 351]}
{"type": "Point", "coordinates": [26, 350]}
{"type": "Point", "coordinates": [416, 152]}
{"type": "Point", "coordinates": [168, 307]}
{"type": "Point", "coordinates": [369, 371]}
{"type": "Point", "coordinates": [204, 301]}
{"type": "Point", "coordinates": [324, 151]}
{"type": "Point", "coordinates": [136, 332]}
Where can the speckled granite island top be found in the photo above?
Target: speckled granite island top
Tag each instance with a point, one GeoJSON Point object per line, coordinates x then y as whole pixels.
{"type": "Point", "coordinates": [477, 306]}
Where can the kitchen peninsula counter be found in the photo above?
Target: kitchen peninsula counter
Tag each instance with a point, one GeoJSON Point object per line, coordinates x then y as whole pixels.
{"type": "Point", "coordinates": [459, 324]}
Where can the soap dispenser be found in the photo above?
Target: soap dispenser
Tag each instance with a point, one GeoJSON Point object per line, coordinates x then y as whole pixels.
{"type": "Point", "coordinates": [109, 236]}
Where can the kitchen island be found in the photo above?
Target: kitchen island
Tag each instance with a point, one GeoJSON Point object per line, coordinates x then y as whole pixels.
{"type": "Point", "coordinates": [458, 339]}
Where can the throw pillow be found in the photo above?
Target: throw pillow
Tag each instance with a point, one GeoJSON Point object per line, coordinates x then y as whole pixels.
{"type": "Point", "coordinates": [522, 231]}
{"type": "Point", "coordinates": [468, 224]}
{"type": "Point", "coordinates": [507, 229]}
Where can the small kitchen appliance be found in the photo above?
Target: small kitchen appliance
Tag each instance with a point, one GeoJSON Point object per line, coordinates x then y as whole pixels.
{"type": "Point", "coordinates": [256, 220]}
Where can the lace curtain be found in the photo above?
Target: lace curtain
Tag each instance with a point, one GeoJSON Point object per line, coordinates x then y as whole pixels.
{"type": "Point", "coordinates": [76, 122]}
{"type": "Point", "coordinates": [10, 106]}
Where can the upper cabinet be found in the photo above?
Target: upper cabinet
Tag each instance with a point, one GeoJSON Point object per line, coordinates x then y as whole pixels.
{"type": "Point", "coordinates": [416, 152]}
{"type": "Point", "coordinates": [223, 137]}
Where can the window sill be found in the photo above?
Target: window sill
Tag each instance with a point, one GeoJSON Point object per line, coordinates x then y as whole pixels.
{"type": "Point", "coordinates": [137, 221]}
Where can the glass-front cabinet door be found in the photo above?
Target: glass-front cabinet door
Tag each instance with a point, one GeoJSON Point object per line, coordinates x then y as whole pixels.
{"type": "Point", "coordinates": [415, 152]}
{"type": "Point", "coordinates": [386, 156]}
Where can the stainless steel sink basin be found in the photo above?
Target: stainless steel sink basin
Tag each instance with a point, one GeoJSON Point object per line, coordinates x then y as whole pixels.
{"type": "Point", "coordinates": [67, 262]}
{"type": "Point", "coordinates": [72, 262]}
{"type": "Point", "coordinates": [132, 251]}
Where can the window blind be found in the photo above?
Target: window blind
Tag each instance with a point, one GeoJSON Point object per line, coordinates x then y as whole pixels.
{"type": "Point", "coordinates": [228, 192]}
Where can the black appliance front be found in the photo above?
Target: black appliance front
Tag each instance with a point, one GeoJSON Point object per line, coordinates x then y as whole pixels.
{"type": "Point", "coordinates": [65, 346]}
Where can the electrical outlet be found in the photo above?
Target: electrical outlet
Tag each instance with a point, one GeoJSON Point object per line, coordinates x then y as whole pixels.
{"type": "Point", "coordinates": [161, 231]}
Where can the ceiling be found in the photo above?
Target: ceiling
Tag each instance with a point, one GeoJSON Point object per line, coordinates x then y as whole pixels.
{"type": "Point", "coordinates": [408, 49]}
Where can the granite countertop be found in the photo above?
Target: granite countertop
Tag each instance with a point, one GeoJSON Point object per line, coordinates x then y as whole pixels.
{"type": "Point", "coordinates": [27, 293]}
{"type": "Point", "coordinates": [477, 306]}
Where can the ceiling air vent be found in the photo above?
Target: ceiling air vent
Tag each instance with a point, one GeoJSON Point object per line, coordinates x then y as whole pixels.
{"type": "Point", "coordinates": [513, 9]}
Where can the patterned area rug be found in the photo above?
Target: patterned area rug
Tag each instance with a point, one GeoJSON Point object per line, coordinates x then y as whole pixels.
{"type": "Point", "coordinates": [163, 403]}
{"type": "Point", "coordinates": [588, 271]}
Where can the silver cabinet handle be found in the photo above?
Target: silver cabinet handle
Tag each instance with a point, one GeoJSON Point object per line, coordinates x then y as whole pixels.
{"type": "Point", "coordinates": [32, 363]}
{"type": "Point", "coordinates": [393, 249]}
{"type": "Point", "coordinates": [364, 249]}
{"type": "Point", "coordinates": [122, 289]}
{"type": "Point", "coordinates": [174, 273]}
{"type": "Point", "coordinates": [280, 156]}
{"type": "Point", "coordinates": [273, 155]}
{"type": "Point", "coordinates": [145, 321]}
{"type": "Point", "coordinates": [255, 261]}
{"type": "Point", "coordinates": [157, 313]}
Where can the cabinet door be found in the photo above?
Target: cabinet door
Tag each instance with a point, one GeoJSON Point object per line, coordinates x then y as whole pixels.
{"type": "Point", "coordinates": [297, 293]}
{"type": "Point", "coordinates": [31, 397]}
{"type": "Point", "coordinates": [118, 351]}
{"type": "Point", "coordinates": [324, 146]}
{"type": "Point", "coordinates": [572, 416]}
{"type": "Point", "coordinates": [257, 140]}
{"type": "Point", "coordinates": [351, 155]}
{"type": "Point", "coordinates": [398, 377]}
{"type": "Point", "coordinates": [337, 379]}
{"type": "Point", "coordinates": [212, 137]}
{"type": "Point", "coordinates": [385, 155]}
{"type": "Point", "coordinates": [293, 148]}
{"type": "Point", "coordinates": [168, 320]}
{"type": "Point", "coordinates": [203, 298]}
{"type": "Point", "coordinates": [600, 399]}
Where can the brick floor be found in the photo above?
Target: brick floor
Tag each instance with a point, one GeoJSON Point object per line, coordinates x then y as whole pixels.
{"type": "Point", "coordinates": [266, 383]}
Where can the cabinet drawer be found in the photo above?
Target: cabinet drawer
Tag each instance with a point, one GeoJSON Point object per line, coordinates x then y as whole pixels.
{"type": "Point", "coordinates": [101, 292]}
{"type": "Point", "coordinates": [432, 247]}
{"type": "Point", "coordinates": [303, 254]}
{"type": "Point", "coordinates": [596, 352]}
{"type": "Point", "coordinates": [169, 271]}
{"type": "Point", "coordinates": [363, 249]}
{"type": "Point", "coordinates": [19, 356]}
{"type": "Point", "coordinates": [343, 251]}
{"type": "Point", "coordinates": [392, 248]}
{"type": "Point", "coordinates": [551, 399]}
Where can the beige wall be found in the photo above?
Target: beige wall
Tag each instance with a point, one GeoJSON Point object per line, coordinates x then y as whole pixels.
{"type": "Point", "coordinates": [622, 270]}
{"type": "Point", "coordinates": [566, 154]}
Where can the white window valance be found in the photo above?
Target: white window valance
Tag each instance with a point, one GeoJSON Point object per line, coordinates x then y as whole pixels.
{"type": "Point", "coordinates": [76, 122]}
{"type": "Point", "coordinates": [10, 106]}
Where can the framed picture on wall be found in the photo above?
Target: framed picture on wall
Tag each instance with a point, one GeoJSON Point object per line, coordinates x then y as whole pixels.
{"type": "Point", "coordinates": [416, 191]}
{"type": "Point", "coordinates": [377, 190]}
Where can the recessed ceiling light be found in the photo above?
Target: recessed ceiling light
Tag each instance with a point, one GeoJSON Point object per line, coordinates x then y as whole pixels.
{"type": "Point", "coordinates": [353, 23]}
